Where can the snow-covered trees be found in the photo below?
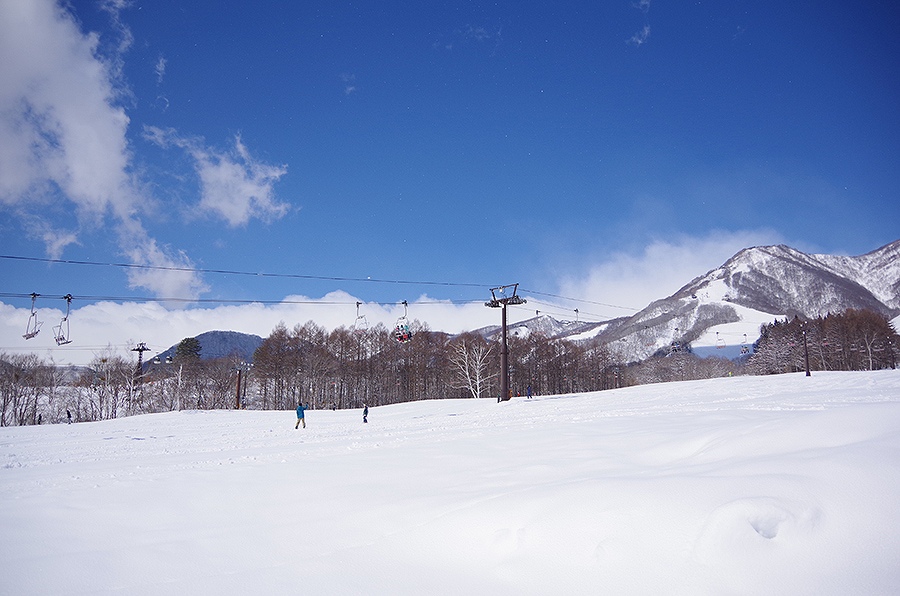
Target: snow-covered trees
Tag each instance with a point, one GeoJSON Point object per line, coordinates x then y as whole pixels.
{"type": "Point", "coordinates": [26, 383]}
{"type": "Point", "coordinates": [852, 340]}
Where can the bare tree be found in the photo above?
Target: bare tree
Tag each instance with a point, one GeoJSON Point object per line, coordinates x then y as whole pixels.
{"type": "Point", "coordinates": [470, 356]}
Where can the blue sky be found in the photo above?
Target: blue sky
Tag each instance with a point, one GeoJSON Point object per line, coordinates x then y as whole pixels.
{"type": "Point", "coordinates": [604, 151]}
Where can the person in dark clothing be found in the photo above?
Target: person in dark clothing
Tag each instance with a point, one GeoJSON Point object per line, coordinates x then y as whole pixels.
{"type": "Point", "coordinates": [69, 416]}
{"type": "Point", "coordinates": [365, 413]}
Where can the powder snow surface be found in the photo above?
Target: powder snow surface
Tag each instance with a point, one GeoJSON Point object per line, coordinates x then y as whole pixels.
{"type": "Point", "coordinates": [746, 485]}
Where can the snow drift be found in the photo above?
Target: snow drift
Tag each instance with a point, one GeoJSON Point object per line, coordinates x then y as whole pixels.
{"type": "Point", "coordinates": [745, 485]}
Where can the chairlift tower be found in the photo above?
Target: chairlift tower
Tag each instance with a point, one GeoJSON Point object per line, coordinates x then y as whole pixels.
{"type": "Point", "coordinates": [140, 349]}
{"type": "Point", "coordinates": [241, 368]}
{"type": "Point", "coordinates": [501, 297]}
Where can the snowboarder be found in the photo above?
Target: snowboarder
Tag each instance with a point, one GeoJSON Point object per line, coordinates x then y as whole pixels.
{"type": "Point", "coordinates": [300, 419]}
{"type": "Point", "coordinates": [365, 413]}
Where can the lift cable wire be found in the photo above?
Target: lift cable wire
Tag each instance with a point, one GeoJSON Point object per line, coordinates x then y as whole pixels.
{"type": "Point", "coordinates": [236, 300]}
{"type": "Point", "coordinates": [554, 310]}
{"type": "Point", "coordinates": [246, 273]}
{"type": "Point", "coordinates": [290, 276]}
{"type": "Point", "coordinates": [536, 293]}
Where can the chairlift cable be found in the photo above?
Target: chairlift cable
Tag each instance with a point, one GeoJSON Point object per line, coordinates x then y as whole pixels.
{"type": "Point", "coordinates": [291, 276]}
{"type": "Point", "coordinates": [246, 273]}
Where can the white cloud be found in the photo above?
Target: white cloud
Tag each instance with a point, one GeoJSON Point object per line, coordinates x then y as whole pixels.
{"type": "Point", "coordinates": [63, 136]}
{"type": "Point", "coordinates": [166, 272]}
{"type": "Point", "coordinates": [635, 280]}
{"type": "Point", "coordinates": [59, 125]}
{"type": "Point", "coordinates": [94, 327]}
{"type": "Point", "coordinates": [233, 185]}
{"type": "Point", "coordinates": [55, 240]}
{"type": "Point", "coordinates": [64, 147]}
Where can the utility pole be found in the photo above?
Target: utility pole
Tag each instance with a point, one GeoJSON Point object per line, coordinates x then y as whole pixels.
{"type": "Point", "coordinates": [237, 396]}
{"type": "Point", "coordinates": [805, 346]}
{"type": "Point", "coordinates": [505, 298]}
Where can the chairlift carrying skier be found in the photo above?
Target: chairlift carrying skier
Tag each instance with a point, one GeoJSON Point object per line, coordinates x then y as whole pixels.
{"type": "Point", "coordinates": [61, 331]}
{"type": "Point", "coordinates": [402, 332]}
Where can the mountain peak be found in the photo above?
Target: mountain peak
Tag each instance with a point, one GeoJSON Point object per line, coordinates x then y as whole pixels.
{"type": "Point", "coordinates": [759, 284]}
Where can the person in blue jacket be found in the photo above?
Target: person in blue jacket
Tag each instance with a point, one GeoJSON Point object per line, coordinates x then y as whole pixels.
{"type": "Point", "coordinates": [300, 419]}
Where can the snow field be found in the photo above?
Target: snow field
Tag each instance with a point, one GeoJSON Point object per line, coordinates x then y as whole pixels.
{"type": "Point", "coordinates": [746, 485]}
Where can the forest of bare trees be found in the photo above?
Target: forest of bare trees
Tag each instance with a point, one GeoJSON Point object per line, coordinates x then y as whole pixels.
{"type": "Point", "coordinates": [346, 368]}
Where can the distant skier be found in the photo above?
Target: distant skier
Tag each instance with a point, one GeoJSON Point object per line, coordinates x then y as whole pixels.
{"type": "Point", "coordinates": [69, 416]}
{"type": "Point", "coordinates": [300, 419]}
{"type": "Point", "coordinates": [528, 391]}
{"type": "Point", "coordinates": [365, 413]}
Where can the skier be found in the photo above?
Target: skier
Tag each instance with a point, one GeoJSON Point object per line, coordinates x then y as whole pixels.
{"type": "Point", "coordinates": [528, 391]}
{"type": "Point", "coordinates": [365, 413]}
{"type": "Point", "coordinates": [300, 419]}
{"type": "Point", "coordinates": [69, 416]}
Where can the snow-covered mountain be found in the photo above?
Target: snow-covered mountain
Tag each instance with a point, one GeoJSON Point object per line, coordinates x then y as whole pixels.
{"type": "Point", "coordinates": [725, 307]}
{"type": "Point", "coordinates": [546, 326]}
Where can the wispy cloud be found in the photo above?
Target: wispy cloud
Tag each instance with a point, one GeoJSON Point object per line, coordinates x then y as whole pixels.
{"type": "Point", "coordinates": [349, 83]}
{"type": "Point", "coordinates": [640, 37]}
{"type": "Point", "coordinates": [233, 184]}
{"type": "Point", "coordinates": [476, 32]}
{"type": "Point", "coordinates": [470, 33]}
{"type": "Point", "coordinates": [160, 69]}
{"type": "Point", "coordinates": [173, 275]}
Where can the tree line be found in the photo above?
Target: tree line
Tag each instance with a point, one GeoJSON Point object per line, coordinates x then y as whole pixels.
{"type": "Point", "coordinates": [347, 367]}
{"type": "Point", "coordinates": [851, 340]}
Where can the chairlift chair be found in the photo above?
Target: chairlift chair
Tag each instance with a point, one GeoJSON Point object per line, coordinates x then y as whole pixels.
{"type": "Point", "coordinates": [720, 342]}
{"type": "Point", "coordinates": [61, 331]}
{"type": "Point", "coordinates": [34, 326]}
{"type": "Point", "coordinates": [402, 332]}
{"type": "Point", "coordinates": [361, 325]}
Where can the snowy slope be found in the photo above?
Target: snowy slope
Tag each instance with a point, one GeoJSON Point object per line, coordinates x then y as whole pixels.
{"type": "Point", "coordinates": [746, 485]}
{"type": "Point", "coordinates": [759, 285]}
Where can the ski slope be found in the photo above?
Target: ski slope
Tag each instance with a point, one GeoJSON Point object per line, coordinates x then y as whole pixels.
{"type": "Point", "coordinates": [746, 485]}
